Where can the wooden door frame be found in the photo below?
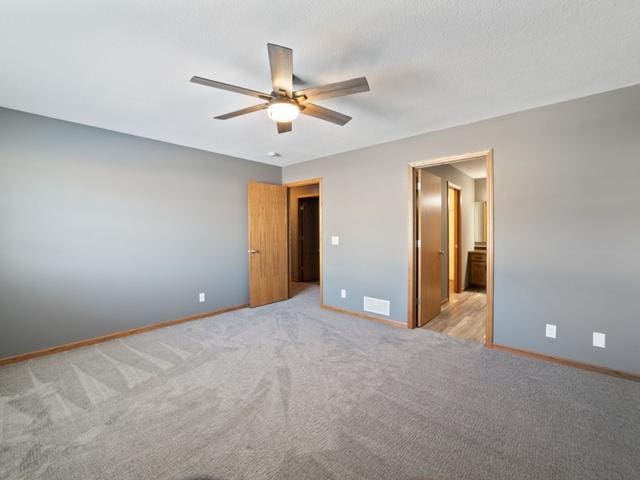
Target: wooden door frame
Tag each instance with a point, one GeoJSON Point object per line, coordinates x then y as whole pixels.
{"type": "Point", "coordinates": [457, 286]}
{"type": "Point", "coordinates": [303, 183]}
{"type": "Point", "coordinates": [412, 267]}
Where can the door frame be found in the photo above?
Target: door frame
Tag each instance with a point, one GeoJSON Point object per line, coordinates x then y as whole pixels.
{"type": "Point", "coordinates": [303, 183]}
{"type": "Point", "coordinates": [412, 230]}
{"type": "Point", "coordinates": [457, 284]}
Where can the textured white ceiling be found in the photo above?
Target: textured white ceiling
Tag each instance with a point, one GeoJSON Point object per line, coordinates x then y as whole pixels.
{"type": "Point", "coordinates": [125, 65]}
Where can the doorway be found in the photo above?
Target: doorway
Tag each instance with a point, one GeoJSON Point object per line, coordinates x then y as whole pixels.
{"type": "Point", "coordinates": [305, 233]}
{"type": "Point", "coordinates": [451, 264]}
{"type": "Point", "coordinates": [308, 240]}
{"type": "Point", "coordinates": [284, 241]}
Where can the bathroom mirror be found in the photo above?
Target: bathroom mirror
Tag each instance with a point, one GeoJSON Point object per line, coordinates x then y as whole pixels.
{"type": "Point", "coordinates": [480, 221]}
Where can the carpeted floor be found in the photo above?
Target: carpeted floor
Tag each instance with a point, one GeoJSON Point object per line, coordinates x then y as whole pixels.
{"type": "Point", "coordinates": [290, 391]}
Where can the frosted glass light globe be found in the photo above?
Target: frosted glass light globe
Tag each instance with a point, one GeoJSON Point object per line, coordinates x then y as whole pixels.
{"type": "Point", "coordinates": [283, 110]}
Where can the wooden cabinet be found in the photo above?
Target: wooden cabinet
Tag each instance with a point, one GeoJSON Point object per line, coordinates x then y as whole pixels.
{"type": "Point", "coordinates": [477, 265]}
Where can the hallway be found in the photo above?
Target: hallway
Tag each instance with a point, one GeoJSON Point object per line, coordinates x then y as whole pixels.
{"type": "Point", "coordinates": [463, 316]}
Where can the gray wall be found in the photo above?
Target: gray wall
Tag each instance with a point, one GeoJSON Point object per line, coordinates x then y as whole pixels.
{"type": "Point", "coordinates": [102, 232]}
{"type": "Point", "coordinates": [567, 232]}
{"type": "Point", "coordinates": [467, 194]}
{"type": "Point", "coordinates": [481, 189]}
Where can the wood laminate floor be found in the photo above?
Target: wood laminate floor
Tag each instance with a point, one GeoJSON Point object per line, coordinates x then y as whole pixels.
{"type": "Point", "coordinates": [463, 316]}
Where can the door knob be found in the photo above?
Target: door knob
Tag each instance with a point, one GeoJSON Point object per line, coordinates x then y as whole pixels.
{"type": "Point", "coordinates": [252, 251]}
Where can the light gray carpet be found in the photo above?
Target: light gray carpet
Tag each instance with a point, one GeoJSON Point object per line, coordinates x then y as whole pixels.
{"type": "Point", "coordinates": [290, 391]}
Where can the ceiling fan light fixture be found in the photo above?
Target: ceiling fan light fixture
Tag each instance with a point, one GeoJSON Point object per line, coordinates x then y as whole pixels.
{"type": "Point", "coordinates": [284, 103]}
{"type": "Point", "coordinates": [283, 110]}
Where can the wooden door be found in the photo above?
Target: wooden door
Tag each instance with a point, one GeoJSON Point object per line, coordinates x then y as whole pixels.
{"type": "Point", "coordinates": [309, 239]}
{"type": "Point", "coordinates": [430, 250]}
{"type": "Point", "coordinates": [268, 262]}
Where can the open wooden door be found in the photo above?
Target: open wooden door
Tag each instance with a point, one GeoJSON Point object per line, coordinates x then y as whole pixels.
{"type": "Point", "coordinates": [268, 262]}
{"type": "Point", "coordinates": [430, 250]}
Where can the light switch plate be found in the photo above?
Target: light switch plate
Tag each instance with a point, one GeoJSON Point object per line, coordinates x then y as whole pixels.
{"type": "Point", "coordinates": [335, 240]}
{"type": "Point", "coordinates": [551, 331]}
{"type": "Point", "coordinates": [343, 293]}
{"type": "Point", "coordinates": [201, 297]}
{"type": "Point", "coordinates": [599, 339]}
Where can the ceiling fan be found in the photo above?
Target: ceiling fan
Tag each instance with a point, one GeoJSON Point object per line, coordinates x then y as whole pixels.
{"type": "Point", "coordinates": [284, 104]}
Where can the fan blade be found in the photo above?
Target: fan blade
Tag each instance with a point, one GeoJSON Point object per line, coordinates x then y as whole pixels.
{"type": "Point", "coordinates": [244, 111]}
{"type": "Point", "coordinates": [281, 63]}
{"type": "Point", "coordinates": [325, 114]}
{"type": "Point", "coordinates": [231, 88]}
{"type": "Point", "coordinates": [338, 89]}
{"type": "Point", "coordinates": [284, 127]}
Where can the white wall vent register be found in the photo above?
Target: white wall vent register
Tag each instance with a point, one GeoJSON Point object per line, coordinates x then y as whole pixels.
{"type": "Point", "coordinates": [375, 305]}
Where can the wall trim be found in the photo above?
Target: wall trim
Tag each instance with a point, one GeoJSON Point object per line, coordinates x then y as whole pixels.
{"type": "Point", "coordinates": [112, 336]}
{"type": "Point", "coordinates": [450, 184]}
{"type": "Point", "coordinates": [635, 377]}
{"type": "Point", "coordinates": [303, 183]}
{"type": "Point", "coordinates": [353, 313]}
{"type": "Point", "coordinates": [432, 162]}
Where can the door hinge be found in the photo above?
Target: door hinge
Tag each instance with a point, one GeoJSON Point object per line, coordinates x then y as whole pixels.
{"type": "Point", "coordinates": [417, 301]}
{"type": "Point", "coordinates": [417, 243]}
{"type": "Point", "coordinates": [418, 185]}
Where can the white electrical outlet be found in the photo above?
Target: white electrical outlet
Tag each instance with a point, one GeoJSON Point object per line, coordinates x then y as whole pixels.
{"type": "Point", "coordinates": [201, 297]}
{"type": "Point", "coordinates": [335, 240]}
{"type": "Point", "coordinates": [599, 339]}
{"type": "Point", "coordinates": [551, 331]}
{"type": "Point", "coordinates": [343, 293]}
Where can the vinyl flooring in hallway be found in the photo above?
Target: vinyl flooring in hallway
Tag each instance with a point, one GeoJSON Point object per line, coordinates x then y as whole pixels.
{"type": "Point", "coordinates": [463, 316]}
